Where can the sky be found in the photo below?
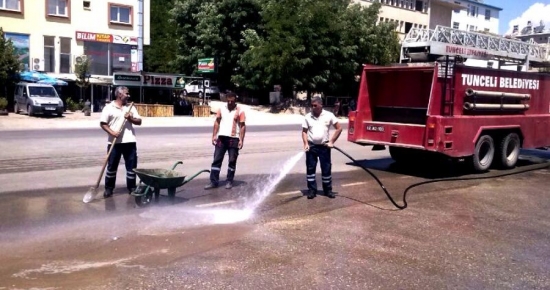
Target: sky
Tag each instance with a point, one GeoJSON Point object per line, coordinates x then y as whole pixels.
{"type": "Point", "coordinates": [518, 12]}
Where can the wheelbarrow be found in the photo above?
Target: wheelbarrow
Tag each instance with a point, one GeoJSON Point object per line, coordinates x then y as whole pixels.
{"type": "Point", "coordinates": [153, 180]}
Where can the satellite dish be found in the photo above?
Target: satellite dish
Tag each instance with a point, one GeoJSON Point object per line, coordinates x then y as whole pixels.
{"type": "Point", "coordinates": [78, 59]}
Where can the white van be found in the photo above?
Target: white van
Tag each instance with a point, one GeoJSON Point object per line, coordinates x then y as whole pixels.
{"type": "Point", "coordinates": [37, 99]}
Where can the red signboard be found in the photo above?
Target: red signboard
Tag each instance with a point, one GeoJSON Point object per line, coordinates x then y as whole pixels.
{"type": "Point", "coordinates": [102, 37]}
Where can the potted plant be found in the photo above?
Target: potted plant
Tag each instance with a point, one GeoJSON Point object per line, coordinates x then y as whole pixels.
{"type": "Point", "coordinates": [3, 106]}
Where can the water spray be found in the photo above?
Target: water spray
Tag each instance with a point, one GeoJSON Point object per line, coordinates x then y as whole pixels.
{"type": "Point", "coordinates": [531, 168]}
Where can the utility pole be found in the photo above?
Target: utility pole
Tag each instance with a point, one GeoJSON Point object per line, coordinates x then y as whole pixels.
{"type": "Point", "coordinates": [140, 35]}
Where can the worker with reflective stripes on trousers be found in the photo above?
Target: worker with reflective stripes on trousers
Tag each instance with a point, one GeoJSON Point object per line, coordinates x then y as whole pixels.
{"type": "Point", "coordinates": [317, 144]}
{"type": "Point", "coordinates": [227, 136]}
{"type": "Point", "coordinates": [112, 117]}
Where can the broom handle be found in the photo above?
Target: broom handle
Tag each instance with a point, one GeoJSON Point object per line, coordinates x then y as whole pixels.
{"type": "Point", "coordinates": [111, 149]}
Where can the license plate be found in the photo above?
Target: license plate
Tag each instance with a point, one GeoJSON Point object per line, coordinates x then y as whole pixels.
{"type": "Point", "coordinates": [374, 128]}
{"type": "Point", "coordinates": [50, 108]}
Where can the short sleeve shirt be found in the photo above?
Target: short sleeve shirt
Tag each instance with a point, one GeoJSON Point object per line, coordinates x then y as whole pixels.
{"type": "Point", "coordinates": [114, 117]}
{"type": "Point", "coordinates": [318, 127]}
{"type": "Point", "coordinates": [229, 124]}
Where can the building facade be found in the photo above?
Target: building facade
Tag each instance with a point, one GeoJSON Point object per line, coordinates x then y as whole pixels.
{"type": "Point", "coordinates": [53, 35]}
{"type": "Point", "coordinates": [477, 17]}
{"type": "Point", "coordinates": [408, 14]}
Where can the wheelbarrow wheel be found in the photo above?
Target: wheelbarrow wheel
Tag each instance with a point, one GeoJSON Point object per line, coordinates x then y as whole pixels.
{"type": "Point", "coordinates": [142, 198]}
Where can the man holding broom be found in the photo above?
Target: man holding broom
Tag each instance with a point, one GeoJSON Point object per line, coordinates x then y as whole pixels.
{"type": "Point", "coordinates": [117, 119]}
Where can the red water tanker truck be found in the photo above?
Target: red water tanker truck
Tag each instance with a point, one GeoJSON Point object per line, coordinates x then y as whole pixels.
{"type": "Point", "coordinates": [480, 115]}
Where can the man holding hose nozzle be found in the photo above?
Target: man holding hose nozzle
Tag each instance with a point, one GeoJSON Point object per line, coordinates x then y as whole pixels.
{"type": "Point", "coordinates": [317, 144]}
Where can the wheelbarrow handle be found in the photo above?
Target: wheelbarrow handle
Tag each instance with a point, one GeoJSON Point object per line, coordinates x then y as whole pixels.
{"type": "Point", "coordinates": [196, 174]}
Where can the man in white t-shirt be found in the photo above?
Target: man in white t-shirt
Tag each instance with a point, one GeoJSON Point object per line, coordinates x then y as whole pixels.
{"type": "Point", "coordinates": [227, 136]}
{"type": "Point", "coordinates": [317, 144]}
{"type": "Point", "coordinates": [112, 117]}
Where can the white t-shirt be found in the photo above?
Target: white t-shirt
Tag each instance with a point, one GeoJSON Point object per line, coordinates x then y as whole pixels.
{"type": "Point", "coordinates": [229, 124]}
{"type": "Point", "coordinates": [114, 116]}
{"type": "Point", "coordinates": [318, 127]}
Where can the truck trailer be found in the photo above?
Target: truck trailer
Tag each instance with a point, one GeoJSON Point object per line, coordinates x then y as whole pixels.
{"type": "Point", "coordinates": [431, 104]}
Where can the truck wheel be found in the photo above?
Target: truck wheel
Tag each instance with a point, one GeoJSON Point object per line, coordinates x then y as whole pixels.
{"type": "Point", "coordinates": [484, 153]}
{"type": "Point", "coordinates": [508, 150]}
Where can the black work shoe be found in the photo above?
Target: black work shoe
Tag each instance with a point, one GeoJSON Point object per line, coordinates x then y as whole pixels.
{"type": "Point", "coordinates": [210, 186]}
{"type": "Point", "coordinates": [108, 193]}
{"type": "Point", "coordinates": [330, 194]}
{"type": "Point", "coordinates": [229, 185]}
{"type": "Point", "coordinates": [311, 194]}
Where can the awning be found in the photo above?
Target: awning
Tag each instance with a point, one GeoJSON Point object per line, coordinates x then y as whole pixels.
{"type": "Point", "coordinates": [41, 78]}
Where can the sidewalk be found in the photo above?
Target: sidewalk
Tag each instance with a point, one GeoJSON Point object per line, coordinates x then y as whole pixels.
{"type": "Point", "coordinates": [73, 120]}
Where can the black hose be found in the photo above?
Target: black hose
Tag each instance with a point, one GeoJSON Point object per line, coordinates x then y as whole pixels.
{"type": "Point", "coordinates": [540, 166]}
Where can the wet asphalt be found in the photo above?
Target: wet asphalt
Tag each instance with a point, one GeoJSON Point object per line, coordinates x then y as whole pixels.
{"type": "Point", "coordinates": [463, 234]}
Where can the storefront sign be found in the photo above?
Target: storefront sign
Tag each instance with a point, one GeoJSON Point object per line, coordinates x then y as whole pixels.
{"type": "Point", "coordinates": [121, 79]}
{"type": "Point", "coordinates": [206, 65]}
{"type": "Point", "coordinates": [165, 81]}
{"type": "Point", "coordinates": [102, 37]}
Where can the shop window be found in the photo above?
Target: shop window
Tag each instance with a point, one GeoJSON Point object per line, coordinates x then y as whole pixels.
{"type": "Point", "coordinates": [120, 14]}
{"type": "Point", "coordinates": [98, 52]}
{"type": "Point", "coordinates": [65, 55]}
{"type": "Point", "coordinates": [49, 53]}
{"type": "Point", "coordinates": [456, 25]}
{"type": "Point", "coordinates": [57, 8]}
{"type": "Point", "coordinates": [13, 5]}
{"type": "Point", "coordinates": [120, 58]}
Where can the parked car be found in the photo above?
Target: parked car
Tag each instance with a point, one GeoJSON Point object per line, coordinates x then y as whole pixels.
{"type": "Point", "coordinates": [37, 99]}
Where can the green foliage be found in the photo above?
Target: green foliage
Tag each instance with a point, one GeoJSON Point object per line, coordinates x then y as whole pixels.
{"type": "Point", "coordinates": [315, 45]}
{"type": "Point", "coordinates": [161, 54]}
{"type": "Point", "coordinates": [3, 103]}
{"type": "Point", "coordinates": [82, 71]}
{"type": "Point", "coordinates": [213, 28]}
{"type": "Point", "coordinates": [72, 105]}
{"type": "Point", "coordinates": [299, 44]}
{"type": "Point", "coordinates": [9, 63]}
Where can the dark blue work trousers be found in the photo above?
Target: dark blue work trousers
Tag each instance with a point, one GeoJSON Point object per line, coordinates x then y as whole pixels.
{"type": "Point", "coordinates": [231, 146]}
{"type": "Point", "coordinates": [129, 151]}
{"type": "Point", "coordinates": [321, 153]}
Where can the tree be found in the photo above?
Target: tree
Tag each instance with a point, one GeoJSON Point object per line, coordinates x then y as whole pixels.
{"type": "Point", "coordinates": [160, 55]}
{"type": "Point", "coordinates": [82, 72]}
{"type": "Point", "coordinates": [315, 45]}
{"type": "Point", "coordinates": [9, 62]}
{"type": "Point", "coordinates": [213, 28]}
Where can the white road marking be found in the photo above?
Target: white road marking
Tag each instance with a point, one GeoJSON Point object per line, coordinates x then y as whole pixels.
{"type": "Point", "coordinates": [215, 203]}
{"type": "Point", "coordinates": [289, 193]}
{"type": "Point", "coordinates": [353, 184]}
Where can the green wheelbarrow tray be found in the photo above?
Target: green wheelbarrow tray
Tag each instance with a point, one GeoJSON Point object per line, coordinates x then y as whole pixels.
{"type": "Point", "coordinates": [161, 179]}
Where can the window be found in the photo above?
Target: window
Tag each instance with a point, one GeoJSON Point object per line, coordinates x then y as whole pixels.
{"type": "Point", "coordinates": [472, 10]}
{"type": "Point", "coordinates": [57, 8]}
{"type": "Point", "coordinates": [87, 5]}
{"type": "Point", "coordinates": [120, 14]}
{"type": "Point", "coordinates": [14, 5]}
{"type": "Point", "coordinates": [487, 14]}
{"type": "Point", "coordinates": [486, 29]}
{"type": "Point", "coordinates": [49, 53]}
{"type": "Point", "coordinates": [456, 25]}
{"type": "Point", "coordinates": [408, 27]}
{"type": "Point", "coordinates": [99, 54]}
{"type": "Point", "coordinates": [419, 5]}
{"type": "Point", "coordinates": [65, 55]}
{"type": "Point", "coordinates": [120, 58]}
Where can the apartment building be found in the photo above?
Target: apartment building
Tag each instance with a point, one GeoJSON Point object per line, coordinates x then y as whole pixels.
{"type": "Point", "coordinates": [477, 17]}
{"type": "Point", "coordinates": [408, 14]}
{"type": "Point", "coordinates": [52, 35]}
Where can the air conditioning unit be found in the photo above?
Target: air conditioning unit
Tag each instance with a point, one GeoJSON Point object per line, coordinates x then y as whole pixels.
{"type": "Point", "coordinates": [80, 59]}
{"type": "Point", "coordinates": [38, 64]}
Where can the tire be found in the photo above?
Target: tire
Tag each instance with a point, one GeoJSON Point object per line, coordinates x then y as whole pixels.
{"type": "Point", "coordinates": [16, 108]}
{"type": "Point", "coordinates": [508, 151]}
{"type": "Point", "coordinates": [30, 112]}
{"type": "Point", "coordinates": [484, 153]}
